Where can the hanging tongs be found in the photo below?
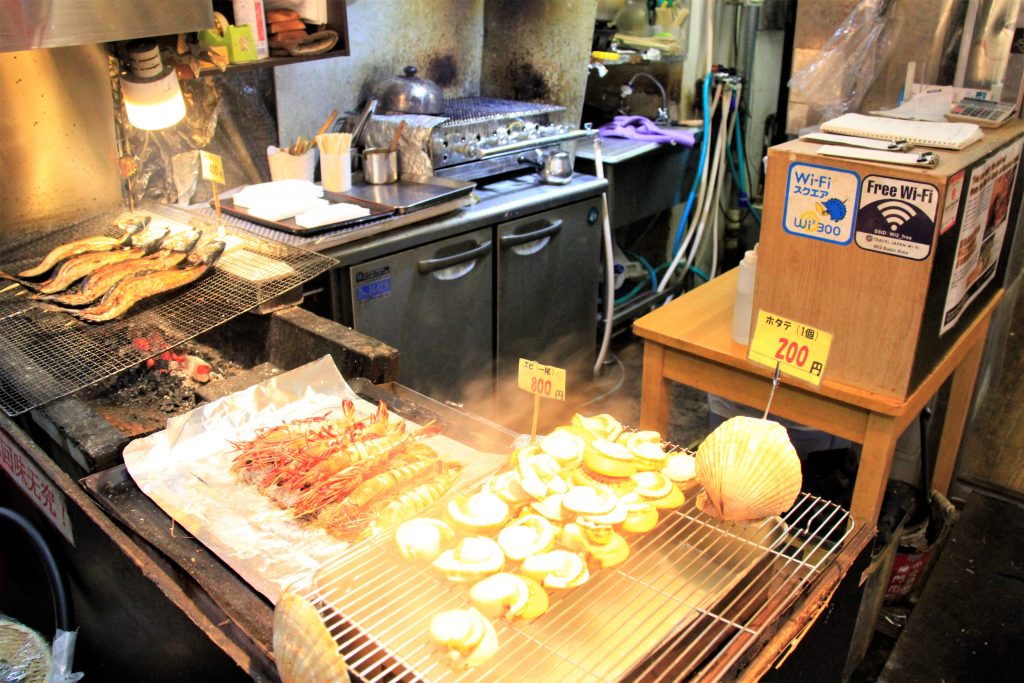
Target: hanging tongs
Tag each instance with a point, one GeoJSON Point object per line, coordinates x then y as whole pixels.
{"type": "Point", "coordinates": [371, 106]}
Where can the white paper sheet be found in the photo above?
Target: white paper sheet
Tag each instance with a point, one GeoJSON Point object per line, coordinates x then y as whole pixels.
{"type": "Point", "coordinates": [185, 469]}
{"type": "Point", "coordinates": [930, 105]}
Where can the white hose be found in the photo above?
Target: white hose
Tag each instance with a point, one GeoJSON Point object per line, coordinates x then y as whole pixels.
{"type": "Point", "coordinates": [696, 230]}
{"type": "Point", "coordinates": [734, 117]}
{"type": "Point", "coordinates": [609, 266]}
{"type": "Point", "coordinates": [702, 188]}
{"type": "Point", "coordinates": [714, 245]}
{"type": "Point", "coordinates": [717, 177]}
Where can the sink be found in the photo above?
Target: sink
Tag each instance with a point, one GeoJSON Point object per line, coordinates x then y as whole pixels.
{"type": "Point", "coordinates": [643, 177]}
{"type": "Point", "coordinates": [617, 150]}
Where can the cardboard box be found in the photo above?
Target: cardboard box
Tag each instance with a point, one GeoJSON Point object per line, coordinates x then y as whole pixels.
{"type": "Point", "coordinates": [893, 261]}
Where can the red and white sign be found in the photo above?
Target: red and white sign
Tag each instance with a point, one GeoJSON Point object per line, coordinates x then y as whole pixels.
{"type": "Point", "coordinates": [37, 486]}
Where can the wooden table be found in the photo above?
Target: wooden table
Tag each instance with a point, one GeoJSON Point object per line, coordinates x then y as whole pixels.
{"type": "Point", "coordinates": [689, 341]}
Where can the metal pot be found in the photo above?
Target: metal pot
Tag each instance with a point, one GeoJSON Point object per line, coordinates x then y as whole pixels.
{"type": "Point", "coordinates": [554, 168]}
{"type": "Point", "coordinates": [380, 166]}
{"type": "Point", "coordinates": [410, 94]}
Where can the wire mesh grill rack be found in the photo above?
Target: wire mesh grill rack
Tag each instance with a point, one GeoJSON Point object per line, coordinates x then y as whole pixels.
{"type": "Point", "coordinates": [695, 594]}
{"type": "Point", "coordinates": [480, 109]}
{"type": "Point", "coordinates": [46, 354]}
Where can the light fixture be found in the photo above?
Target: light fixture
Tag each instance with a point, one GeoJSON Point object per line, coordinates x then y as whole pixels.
{"type": "Point", "coordinates": [152, 96]}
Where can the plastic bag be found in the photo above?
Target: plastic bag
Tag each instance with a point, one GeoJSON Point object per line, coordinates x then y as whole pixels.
{"type": "Point", "coordinates": [227, 114]}
{"type": "Point", "coordinates": [63, 654]}
{"type": "Point", "coordinates": [839, 76]}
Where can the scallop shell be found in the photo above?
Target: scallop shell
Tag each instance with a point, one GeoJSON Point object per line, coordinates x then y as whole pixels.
{"type": "Point", "coordinates": [749, 470]}
{"type": "Point", "coordinates": [303, 647]}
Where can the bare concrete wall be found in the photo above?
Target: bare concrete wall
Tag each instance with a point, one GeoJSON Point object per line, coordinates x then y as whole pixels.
{"type": "Point", "coordinates": [442, 38]}
{"type": "Point", "coordinates": [58, 155]}
{"type": "Point", "coordinates": [537, 50]}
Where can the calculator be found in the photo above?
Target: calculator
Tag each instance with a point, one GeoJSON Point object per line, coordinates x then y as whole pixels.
{"type": "Point", "coordinates": [985, 113]}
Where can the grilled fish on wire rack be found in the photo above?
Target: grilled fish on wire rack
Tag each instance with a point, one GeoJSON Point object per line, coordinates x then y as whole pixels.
{"type": "Point", "coordinates": [130, 226]}
{"type": "Point", "coordinates": [135, 288]}
{"type": "Point", "coordinates": [171, 253]}
{"type": "Point", "coordinates": [75, 268]}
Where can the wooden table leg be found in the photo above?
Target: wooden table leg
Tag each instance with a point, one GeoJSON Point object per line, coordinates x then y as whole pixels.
{"type": "Point", "coordinates": [655, 394]}
{"type": "Point", "coordinates": [876, 456]}
{"type": "Point", "coordinates": [961, 391]}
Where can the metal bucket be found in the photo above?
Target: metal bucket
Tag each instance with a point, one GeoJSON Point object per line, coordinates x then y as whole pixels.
{"type": "Point", "coordinates": [380, 166]}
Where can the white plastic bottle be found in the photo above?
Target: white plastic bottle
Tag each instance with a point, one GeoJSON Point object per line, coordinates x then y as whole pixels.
{"type": "Point", "coordinates": [744, 298]}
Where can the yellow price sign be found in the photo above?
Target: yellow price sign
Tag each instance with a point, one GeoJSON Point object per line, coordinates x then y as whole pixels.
{"type": "Point", "coordinates": [800, 350]}
{"type": "Point", "coordinates": [213, 167]}
{"type": "Point", "coordinates": [545, 381]}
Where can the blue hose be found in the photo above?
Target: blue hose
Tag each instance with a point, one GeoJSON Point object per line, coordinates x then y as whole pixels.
{"type": "Point", "coordinates": [741, 161]}
{"type": "Point", "coordinates": [647, 266]}
{"type": "Point", "coordinates": [705, 134]}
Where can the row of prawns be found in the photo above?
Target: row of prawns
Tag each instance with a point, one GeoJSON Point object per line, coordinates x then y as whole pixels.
{"type": "Point", "coordinates": [351, 476]}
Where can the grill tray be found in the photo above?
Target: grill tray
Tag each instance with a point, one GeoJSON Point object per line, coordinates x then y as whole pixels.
{"type": "Point", "coordinates": [467, 110]}
{"type": "Point", "coordinates": [694, 595]}
{"type": "Point", "coordinates": [46, 355]}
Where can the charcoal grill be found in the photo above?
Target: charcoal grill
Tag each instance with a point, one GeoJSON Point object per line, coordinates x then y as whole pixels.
{"type": "Point", "coordinates": [47, 355]}
{"type": "Point", "coordinates": [692, 600]}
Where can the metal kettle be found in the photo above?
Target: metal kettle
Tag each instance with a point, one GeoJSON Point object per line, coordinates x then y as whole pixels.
{"type": "Point", "coordinates": [410, 94]}
{"type": "Point", "coordinates": [553, 167]}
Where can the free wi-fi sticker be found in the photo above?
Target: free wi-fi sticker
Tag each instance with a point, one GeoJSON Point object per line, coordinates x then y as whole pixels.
{"type": "Point", "coordinates": [897, 217]}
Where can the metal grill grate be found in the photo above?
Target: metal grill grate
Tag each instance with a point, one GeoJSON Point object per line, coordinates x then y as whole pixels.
{"type": "Point", "coordinates": [480, 109]}
{"type": "Point", "coordinates": [693, 596]}
{"type": "Point", "coordinates": [47, 355]}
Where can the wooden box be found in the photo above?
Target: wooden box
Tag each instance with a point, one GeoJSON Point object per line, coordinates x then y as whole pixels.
{"type": "Point", "coordinates": [894, 261]}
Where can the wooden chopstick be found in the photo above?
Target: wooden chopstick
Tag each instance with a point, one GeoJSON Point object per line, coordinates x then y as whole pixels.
{"type": "Point", "coordinates": [327, 124]}
{"type": "Point", "coordinates": [304, 144]}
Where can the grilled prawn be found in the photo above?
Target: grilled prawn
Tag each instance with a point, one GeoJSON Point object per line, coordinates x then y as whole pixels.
{"type": "Point", "coordinates": [389, 513]}
{"type": "Point", "coordinates": [367, 479]}
{"type": "Point", "coordinates": [362, 451]}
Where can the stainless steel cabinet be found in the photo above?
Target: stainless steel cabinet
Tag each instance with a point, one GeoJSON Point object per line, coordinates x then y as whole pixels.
{"type": "Point", "coordinates": [546, 300]}
{"type": "Point", "coordinates": [434, 304]}
{"type": "Point", "coordinates": [463, 310]}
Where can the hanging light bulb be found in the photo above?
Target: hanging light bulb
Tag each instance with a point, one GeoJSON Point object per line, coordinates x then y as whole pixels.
{"type": "Point", "coordinates": [152, 96]}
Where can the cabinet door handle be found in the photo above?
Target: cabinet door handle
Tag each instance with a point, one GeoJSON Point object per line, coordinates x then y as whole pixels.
{"type": "Point", "coordinates": [551, 228]}
{"type": "Point", "coordinates": [429, 265]}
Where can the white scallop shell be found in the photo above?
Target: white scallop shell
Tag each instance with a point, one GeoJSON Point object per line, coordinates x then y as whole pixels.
{"type": "Point", "coordinates": [749, 470]}
{"type": "Point", "coordinates": [303, 647]}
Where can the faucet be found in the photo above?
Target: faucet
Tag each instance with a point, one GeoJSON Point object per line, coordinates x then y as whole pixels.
{"type": "Point", "coordinates": [627, 90]}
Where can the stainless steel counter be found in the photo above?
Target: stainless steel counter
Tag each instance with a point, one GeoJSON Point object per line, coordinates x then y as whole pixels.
{"type": "Point", "coordinates": [489, 204]}
{"type": "Point", "coordinates": [495, 203]}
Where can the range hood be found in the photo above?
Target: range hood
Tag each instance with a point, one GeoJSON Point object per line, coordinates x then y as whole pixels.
{"type": "Point", "coordinates": [27, 24]}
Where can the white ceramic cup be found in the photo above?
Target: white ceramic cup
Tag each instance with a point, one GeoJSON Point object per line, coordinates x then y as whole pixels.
{"type": "Point", "coordinates": [336, 171]}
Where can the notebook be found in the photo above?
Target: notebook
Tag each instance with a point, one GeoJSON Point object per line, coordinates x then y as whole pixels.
{"type": "Point", "coordinates": [926, 133]}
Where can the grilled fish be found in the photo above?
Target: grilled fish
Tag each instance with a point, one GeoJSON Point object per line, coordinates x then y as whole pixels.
{"type": "Point", "coordinates": [134, 289]}
{"type": "Point", "coordinates": [75, 268]}
{"type": "Point", "coordinates": [87, 244]}
{"type": "Point", "coordinates": [170, 255]}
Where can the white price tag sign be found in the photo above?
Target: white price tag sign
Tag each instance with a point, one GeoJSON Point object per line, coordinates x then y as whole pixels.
{"type": "Point", "coordinates": [800, 350]}
{"type": "Point", "coordinates": [545, 381]}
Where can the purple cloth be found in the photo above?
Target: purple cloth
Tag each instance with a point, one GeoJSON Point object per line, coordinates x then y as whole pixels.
{"type": "Point", "coordinates": [642, 128]}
